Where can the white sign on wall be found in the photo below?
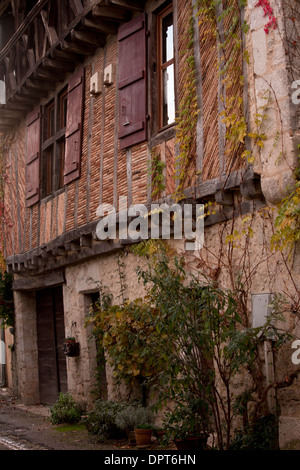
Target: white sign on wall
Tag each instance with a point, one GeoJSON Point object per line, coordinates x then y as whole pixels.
{"type": "Point", "coordinates": [2, 92]}
{"type": "Point", "coordinates": [2, 352]}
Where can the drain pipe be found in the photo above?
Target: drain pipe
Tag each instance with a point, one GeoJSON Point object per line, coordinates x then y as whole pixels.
{"type": "Point", "coordinates": [2, 357]}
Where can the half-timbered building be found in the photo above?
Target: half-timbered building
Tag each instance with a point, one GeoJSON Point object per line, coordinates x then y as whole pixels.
{"type": "Point", "coordinates": [90, 91]}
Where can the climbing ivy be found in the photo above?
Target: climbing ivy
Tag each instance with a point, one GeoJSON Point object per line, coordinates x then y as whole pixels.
{"type": "Point", "coordinates": [156, 171]}
{"type": "Point", "coordinates": [186, 120]}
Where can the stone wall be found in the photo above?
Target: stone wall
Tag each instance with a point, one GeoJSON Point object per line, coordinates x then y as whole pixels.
{"type": "Point", "coordinates": [270, 95]}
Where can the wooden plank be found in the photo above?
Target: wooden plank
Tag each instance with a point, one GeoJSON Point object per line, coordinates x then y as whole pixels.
{"type": "Point", "coordinates": [50, 30]}
{"type": "Point", "coordinates": [59, 65]}
{"type": "Point", "coordinates": [61, 55]}
{"type": "Point", "coordinates": [110, 13]}
{"type": "Point", "coordinates": [221, 93]}
{"type": "Point", "coordinates": [59, 337]}
{"type": "Point", "coordinates": [129, 176]}
{"type": "Point", "coordinates": [48, 383]}
{"type": "Point", "coordinates": [134, 5]}
{"type": "Point", "coordinates": [18, 197]}
{"type": "Point", "coordinates": [76, 48]}
{"type": "Point", "coordinates": [108, 27]}
{"type": "Point", "coordinates": [88, 37]}
{"type": "Point", "coordinates": [76, 7]}
{"type": "Point", "coordinates": [31, 58]}
{"type": "Point", "coordinates": [40, 84]}
{"type": "Point", "coordinates": [198, 73]}
{"type": "Point", "coordinates": [89, 151]}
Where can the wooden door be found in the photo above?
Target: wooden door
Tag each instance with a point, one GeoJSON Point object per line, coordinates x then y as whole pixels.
{"type": "Point", "coordinates": [50, 336]}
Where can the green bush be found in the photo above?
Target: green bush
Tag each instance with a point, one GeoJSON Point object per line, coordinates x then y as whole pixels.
{"type": "Point", "coordinates": [6, 299]}
{"type": "Point", "coordinates": [260, 435]}
{"type": "Point", "coordinates": [65, 410]}
{"type": "Point", "coordinates": [101, 421]}
{"type": "Point", "coordinates": [112, 420]}
{"type": "Point", "coordinates": [132, 416]}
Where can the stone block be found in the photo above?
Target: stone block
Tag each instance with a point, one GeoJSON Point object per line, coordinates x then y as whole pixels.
{"type": "Point", "coordinates": [259, 51]}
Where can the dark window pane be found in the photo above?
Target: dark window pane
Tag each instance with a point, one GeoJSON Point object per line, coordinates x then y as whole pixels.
{"type": "Point", "coordinates": [63, 105]}
{"type": "Point", "coordinates": [50, 120]}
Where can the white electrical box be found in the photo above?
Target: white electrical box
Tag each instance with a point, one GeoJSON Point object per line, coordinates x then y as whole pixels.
{"type": "Point", "coordinates": [2, 92]}
{"type": "Point", "coordinates": [261, 308]}
{"type": "Point", "coordinates": [95, 84]}
{"type": "Point", "coordinates": [109, 75]}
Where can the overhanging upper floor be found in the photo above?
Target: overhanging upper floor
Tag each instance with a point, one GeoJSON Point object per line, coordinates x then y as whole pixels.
{"type": "Point", "coordinates": [48, 42]}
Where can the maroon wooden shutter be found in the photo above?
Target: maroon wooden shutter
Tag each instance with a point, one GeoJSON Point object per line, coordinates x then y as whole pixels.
{"type": "Point", "coordinates": [74, 127]}
{"type": "Point", "coordinates": [132, 82]}
{"type": "Point", "coordinates": [33, 157]}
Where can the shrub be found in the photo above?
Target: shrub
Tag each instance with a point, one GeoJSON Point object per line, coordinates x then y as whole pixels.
{"type": "Point", "coordinates": [101, 421]}
{"type": "Point", "coordinates": [65, 410]}
{"type": "Point", "coordinates": [260, 435]}
{"type": "Point", "coordinates": [132, 416]}
{"type": "Point", "coordinates": [6, 299]}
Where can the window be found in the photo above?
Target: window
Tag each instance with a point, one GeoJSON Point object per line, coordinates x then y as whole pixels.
{"type": "Point", "coordinates": [54, 141]}
{"type": "Point", "coordinates": [166, 68]}
{"type": "Point", "coordinates": [55, 120]}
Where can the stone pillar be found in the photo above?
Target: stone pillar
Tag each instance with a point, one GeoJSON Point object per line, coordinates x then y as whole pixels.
{"type": "Point", "coordinates": [26, 347]}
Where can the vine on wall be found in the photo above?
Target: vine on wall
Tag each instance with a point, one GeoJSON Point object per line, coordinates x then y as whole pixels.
{"type": "Point", "coordinates": [186, 120]}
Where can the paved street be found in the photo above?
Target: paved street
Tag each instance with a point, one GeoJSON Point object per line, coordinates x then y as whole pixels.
{"type": "Point", "coordinates": [29, 428]}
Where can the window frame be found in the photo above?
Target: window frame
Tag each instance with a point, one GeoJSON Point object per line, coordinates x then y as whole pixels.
{"type": "Point", "coordinates": [161, 66]}
{"type": "Point", "coordinates": [53, 146]}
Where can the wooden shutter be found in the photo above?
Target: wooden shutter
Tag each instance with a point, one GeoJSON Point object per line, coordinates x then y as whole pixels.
{"type": "Point", "coordinates": [33, 157]}
{"type": "Point", "coordinates": [132, 82]}
{"type": "Point", "coordinates": [74, 127]}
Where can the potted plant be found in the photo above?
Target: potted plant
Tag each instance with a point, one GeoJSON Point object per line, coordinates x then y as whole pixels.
{"type": "Point", "coordinates": [130, 418]}
{"type": "Point", "coordinates": [187, 426]}
{"type": "Point", "coordinates": [143, 434]}
{"type": "Point", "coordinates": [159, 433]}
{"type": "Point", "coordinates": [71, 347]}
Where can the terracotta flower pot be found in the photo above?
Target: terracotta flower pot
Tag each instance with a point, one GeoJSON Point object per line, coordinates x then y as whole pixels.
{"type": "Point", "coordinates": [191, 443]}
{"type": "Point", "coordinates": [131, 438]}
{"type": "Point", "coordinates": [160, 434]}
{"type": "Point", "coordinates": [143, 437]}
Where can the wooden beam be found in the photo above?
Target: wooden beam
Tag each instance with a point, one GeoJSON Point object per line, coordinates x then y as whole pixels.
{"type": "Point", "coordinates": [86, 240]}
{"type": "Point", "coordinates": [107, 27]}
{"type": "Point", "coordinates": [25, 40]}
{"type": "Point", "coordinates": [53, 279]}
{"type": "Point", "coordinates": [11, 106]}
{"type": "Point", "coordinates": [50, 30]}
{"type": "Point", "coordinates": [115, 14]}
{"type": "Point", "coordinates": [58, 65]}
{"type": "Point", "coordinates": [76, 7]}
{"type": "Point", "coordinates": [31, 58]}
{"type": "Point", "coordinates": [48, 74]}
{"type": "Point", "coordinates": [12, 80]}
{"type": "Point", "coordinates": [134, 5]}
{"type": "Point", "coordinates": [8, 122]}
{"type": "Point", "coordinates": [76, 48]}
{"type": "Point", "coordinates": [10, 113]}
{"type": "Point", "coordinates": [59, 251]}
{"type": "Point", "coordinates": [87, 37]}
{"type": "Point", "coordinates": [61, 55]}
{"type": "Point", "coordinates": [40, 84]}
{"type": "Point", "coordinates": [32, 93]}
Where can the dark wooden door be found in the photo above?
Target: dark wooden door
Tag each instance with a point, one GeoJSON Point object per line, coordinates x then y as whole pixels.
{"type": "Point", "coordinates": [50, 336]}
